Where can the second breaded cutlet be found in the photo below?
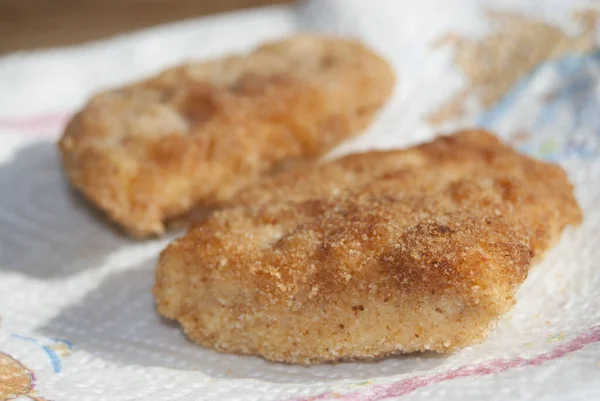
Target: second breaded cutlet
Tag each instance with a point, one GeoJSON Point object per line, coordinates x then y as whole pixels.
{"type": "Point", "coordinates": [196, 133]}
{"type": "Point", "coordinates": [374, 254]}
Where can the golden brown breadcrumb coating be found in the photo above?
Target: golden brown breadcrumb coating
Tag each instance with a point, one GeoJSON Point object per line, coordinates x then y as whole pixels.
{"type": "Point", "coordinates": [373, 254]}
{"type": "Point", "coordinates": [198, 132]}
{"type": "Point", "coordinates": [427, 167]}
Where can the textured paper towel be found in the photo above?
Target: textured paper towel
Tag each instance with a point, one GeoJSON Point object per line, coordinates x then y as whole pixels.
{"type": "Point", "coordinates": [77, 317]}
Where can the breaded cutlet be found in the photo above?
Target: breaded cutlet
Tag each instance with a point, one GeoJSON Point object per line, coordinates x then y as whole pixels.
{"type": "Point", "coordinates": [425, 167]}
{"type": "Point", "coordinates": [374, 254]}
{"type": "Point", "coordinates": [196, 133]}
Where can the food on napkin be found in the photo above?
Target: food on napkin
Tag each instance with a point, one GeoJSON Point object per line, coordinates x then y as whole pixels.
{"type": "Point", "coordinates": [374, 254]}
{"type": "Point", "coordinates": [196, 133]}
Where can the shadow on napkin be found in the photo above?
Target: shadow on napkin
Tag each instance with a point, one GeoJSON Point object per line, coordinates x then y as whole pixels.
{"type": "Point", "coordinates": [117, 322]}
{"type": "Point", "coordinates": [48, 231]}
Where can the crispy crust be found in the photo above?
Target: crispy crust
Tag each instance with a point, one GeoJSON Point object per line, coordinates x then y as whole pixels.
{"type": "Point", "coordinates": [196, 133]}
{"type": "Point", "coordinates": [542, 190]}
{"type": "Point", "coordinates": [374, 254]}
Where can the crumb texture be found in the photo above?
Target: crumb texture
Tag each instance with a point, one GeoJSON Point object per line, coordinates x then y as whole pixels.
{"type": "Point", "coordinates": [197, 133]}
{"type": "Point", "coordinates": [373, 254]}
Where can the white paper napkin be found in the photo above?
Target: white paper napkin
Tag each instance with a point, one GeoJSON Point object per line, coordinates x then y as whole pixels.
{"type": "Point", "coordinates": [77, 316]}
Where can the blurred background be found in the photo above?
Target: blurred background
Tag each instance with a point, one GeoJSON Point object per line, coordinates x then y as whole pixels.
{"type": "Point", "coordinates": [34, 24]}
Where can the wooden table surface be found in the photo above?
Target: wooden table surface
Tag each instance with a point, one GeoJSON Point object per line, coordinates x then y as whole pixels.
{"type": "Point", "coordinates": [32, 24]}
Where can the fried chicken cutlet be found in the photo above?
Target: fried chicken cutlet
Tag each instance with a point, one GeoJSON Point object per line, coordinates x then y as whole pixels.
{"type": "Point", "coordinates": [148, 152]}
{"type": "Point", "coordinates": [373, 254]}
